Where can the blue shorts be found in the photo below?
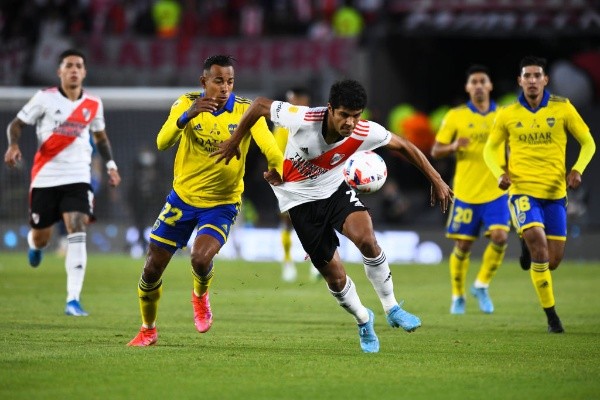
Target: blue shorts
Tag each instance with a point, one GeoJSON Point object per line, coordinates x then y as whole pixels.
{"type": "Point", "coordinates": [177, 221]}
{"type": "Point", "coordinates": [551, 215]}
{"type": "Point", "coordinates": [466, 219]}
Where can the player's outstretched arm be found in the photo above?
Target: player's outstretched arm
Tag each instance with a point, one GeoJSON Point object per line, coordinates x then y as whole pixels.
{"type": "Point", "coordinates": [260, 107]}
{"type": "Point", "coordinates": [440, 191]}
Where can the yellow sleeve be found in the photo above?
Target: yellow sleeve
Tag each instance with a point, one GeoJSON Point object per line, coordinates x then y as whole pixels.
{"type": "Point", "coordinates": [493, 146]}
{"type": "Point", "coordinates": [580, 131]}
{"type": "Point", "coordinates": [447, 131]}
{"type": "Point", "coordinates": [267, 144]}
{"type": "Point", "coordinates": [170, 133]}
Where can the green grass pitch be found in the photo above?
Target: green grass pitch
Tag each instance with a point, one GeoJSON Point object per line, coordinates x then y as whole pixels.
{"type": "Point", "coordinates": [272, 340]}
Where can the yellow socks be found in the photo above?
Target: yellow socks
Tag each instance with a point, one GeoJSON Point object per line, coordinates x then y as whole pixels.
{"type": "Point", "coordinates": [202, 283]}
{"type": "Point", "coordinates": [542, 282]}
{"type": "Point", "coordinates": [459, 265]}
{"type": "Point", "coordinates": [286, 242]}
{"type": "Point", "coordinates": [149, 295]}
{"type": "Point", "coordinates": [492, 258]}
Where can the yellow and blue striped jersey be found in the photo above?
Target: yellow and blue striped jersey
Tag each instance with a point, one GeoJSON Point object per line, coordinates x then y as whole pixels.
{"type": "Point", "coordinates": [537, 141]}
{"type": "Point", "coordinates": [473, 181]}
{"type": "Point", "coordinates": [198, 180]}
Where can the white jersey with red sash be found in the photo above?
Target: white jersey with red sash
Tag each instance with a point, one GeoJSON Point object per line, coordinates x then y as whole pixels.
{"type": "Point", "coordinates": [63, 130]}
{"type": "Point", "coordinates": [312, 169]}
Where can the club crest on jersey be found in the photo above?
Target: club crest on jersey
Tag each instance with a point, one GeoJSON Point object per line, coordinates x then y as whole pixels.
{"type": "Point", "coordinates": [293, 109]}
{"type": "Point", "coordinates": [551, 121]}
{"type": "Point", "coordinates": [231, 128]}
{"type": "Point", "coordinates": [35, 218]}
{"type": "Point", "coordinates": [336, 158]}
{"type": "Point", "coordinates": [86, 114]}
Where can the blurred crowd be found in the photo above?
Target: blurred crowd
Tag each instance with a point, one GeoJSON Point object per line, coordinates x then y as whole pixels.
{"type": "Point", "coordinates": [32, 19]}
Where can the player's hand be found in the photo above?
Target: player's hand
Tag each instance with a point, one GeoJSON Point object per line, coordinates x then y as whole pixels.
{"type": "Point", "coordinates": [461, 143]}
{"type": "Point", "coordinates": [441, 192]}
{"type": "Point", "coordinates": [504, 181]}
{"type": "Point", "coordinates": [574, 179]}
{"type": "Point", "coordinates": [273, 177]}
{"type": "Point", "coordinates": [202, 104]}
{"type": "Point", "coordinates": [113, 177]}
{"type": "Point", "coordinates": [13, 155]}
{"type": "Point", "coordinates": [227, 150]}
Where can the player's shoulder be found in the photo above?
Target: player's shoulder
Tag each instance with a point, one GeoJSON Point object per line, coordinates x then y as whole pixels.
{"type": "Point", "coordinates": [312, 114]}
{"type": "Point", "coordinates": [49, 90]}
{"type": "Point", "coordinates": [92, 96]}
{"type": "Point", "coordinates": [242, 100]}
{"type": "Point", "coordinates": [186, 98]}
{"type": "Point", "coordinates": [557, 99]}
{"type": "Point", "coordinates": [364, 127]}
{"type": "Point", "coordinates": [190, 96]}
{"type": "Point", "coordinates": [48, 93]}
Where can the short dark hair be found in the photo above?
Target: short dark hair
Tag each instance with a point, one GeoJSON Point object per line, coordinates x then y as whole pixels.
{"type": "Point", "coordinates": [70, 52]}
{"type": "Point", "coordinates": [533, 60]}
{"type": "Point", "coordinates": [220, 60]}
{"type": "Point", "coordinates": [348, 93]}
{"type": "Point", "coordinates": [477, 68]}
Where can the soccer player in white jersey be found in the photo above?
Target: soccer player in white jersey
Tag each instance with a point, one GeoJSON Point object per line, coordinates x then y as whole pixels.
{"type": "Point", "coordinates": [319, 203]}
{"type": "Point", "coordinates": [60, 177]}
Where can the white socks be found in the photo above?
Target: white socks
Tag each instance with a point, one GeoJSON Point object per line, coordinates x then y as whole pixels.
{"type": "Point", "coordinates": [378, 272]}
{"type": "Point", "coordinates": [30, 241]}
{"type": "Point", "coordinates": [75, 263]}
{"type": "Point", "coordinates": [348, 299]}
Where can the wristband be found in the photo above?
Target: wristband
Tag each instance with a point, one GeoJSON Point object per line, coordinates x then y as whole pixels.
{"type": "Point", "coordinates": [111, 165]}
{"type": "Point", "coordinates": [184, 119]}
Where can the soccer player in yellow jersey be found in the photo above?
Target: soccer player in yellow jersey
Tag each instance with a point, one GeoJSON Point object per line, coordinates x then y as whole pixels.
{"type": "Point", "coordinates": [535, 128]}
{"type": "Point", "coordinates": [478, 203]}
{"type": "Point", "coordinates": [206, 196]}
{"type": "Point", "coordinates": [298, 96]}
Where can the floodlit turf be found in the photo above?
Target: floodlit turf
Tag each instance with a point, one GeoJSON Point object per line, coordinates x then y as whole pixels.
{"type": "Point", "coordinates": [272, 340]}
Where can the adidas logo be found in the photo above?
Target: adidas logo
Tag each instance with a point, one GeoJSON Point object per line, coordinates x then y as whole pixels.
{"type": "Point", "coordinates": [304, 149]}
{"type": "Point", "coordinates": [519, 124]}
{"type": "Point", "coordinates": [57, 112]}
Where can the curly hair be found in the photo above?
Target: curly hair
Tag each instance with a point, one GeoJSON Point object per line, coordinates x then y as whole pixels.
{"type": "Point", "coordinates": [349, 94]}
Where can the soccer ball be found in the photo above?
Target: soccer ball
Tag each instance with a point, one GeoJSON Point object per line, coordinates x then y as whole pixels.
{"type": "Point", "coordinates": [365, 172]}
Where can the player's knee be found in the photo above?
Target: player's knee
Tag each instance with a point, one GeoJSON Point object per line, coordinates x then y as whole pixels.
{"type": "Point", "coordinates": [368, 246]}
{"type": "Point", "coordinates": [499, 237]}
{"type": "Point", "coordinates": [335, 282]}
{"type": "Point", "coordinates": [201, 261]}
{"type": "Point", "coordinates": [554, 262]}
{"type": "Point", "coordinates": [157, 260]}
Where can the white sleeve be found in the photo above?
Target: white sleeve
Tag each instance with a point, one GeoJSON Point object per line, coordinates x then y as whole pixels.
{"type": "Point", "coordinates": [288, 115]}
{"type": "Point", "coordinates": [378, 136]}
{"type": "Point", "coordinates": [98, 124]}
{"type": "Point", "coordinates": [33, 110]}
